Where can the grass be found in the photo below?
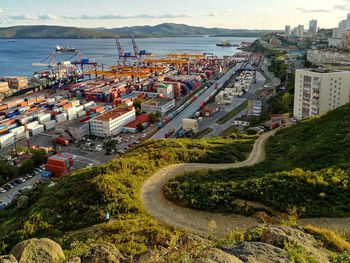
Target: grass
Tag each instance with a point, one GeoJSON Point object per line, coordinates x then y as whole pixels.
{"type": "Point", "coordinates": [331, 239]}
{"type": "Point", "coordinates": [233, 113]}
{"type": "Point", "coordinates": [310, 160]}
{"type": "Point", "coordinates": [73, 210]}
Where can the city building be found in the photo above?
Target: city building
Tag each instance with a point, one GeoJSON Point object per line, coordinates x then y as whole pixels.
{"type": "Point", "coordinates": [313, 27]}
{"type": "Point", "coordinates": [287, 30]}
{"type": "Point", "coordinates": [320, 57]}
{"type": "Point", "coordinates": [158, 105]}
{"type": "Point", "coordinates": [75, 129]}
{"type": "Point", "coordinates": [142, 119]}
{"type": "Point", "coordinates": [336, 39]}
{"type": "Point", "coordinates": [346, 40]}
{"type": "Point", "coordinates": [319, 91]}
{"type": "Point", "coordinates": [112, 122]}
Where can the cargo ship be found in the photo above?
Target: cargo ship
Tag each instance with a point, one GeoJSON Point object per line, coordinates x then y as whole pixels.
{"type": "Point", "coordinates": [226, 43]}
{"type": "Point", "coordinates": [65, 49]}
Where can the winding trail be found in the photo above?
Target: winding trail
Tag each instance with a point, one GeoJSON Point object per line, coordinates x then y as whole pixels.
{"type": "Point", "coordinates": [206, 223]}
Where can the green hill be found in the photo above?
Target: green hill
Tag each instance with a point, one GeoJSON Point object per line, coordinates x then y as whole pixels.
{"type": "Point", "coordinates": [68, 210]}
{"type": "Point", "coordinates": [162, 30]}
{"type": "Point", "coordinates": [307, 168]}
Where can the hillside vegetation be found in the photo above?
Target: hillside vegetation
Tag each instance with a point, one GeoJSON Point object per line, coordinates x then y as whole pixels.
{"type": "Point", "coordinates": [307, 168]}
{"type": "Point", "coordinates": [72, 209]}
{"type": "Point", "coordinates": [162, 30]}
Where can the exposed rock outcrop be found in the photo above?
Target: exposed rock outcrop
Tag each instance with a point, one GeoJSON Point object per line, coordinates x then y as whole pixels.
{"type": "Point", "coordinates": [38, 250]}
{"type": "Point", "coordinates": [8, 259]}
{"type": "Point", "coordinates": [102, 253]}
{"type": "Point", "coordinates": [257, 252]}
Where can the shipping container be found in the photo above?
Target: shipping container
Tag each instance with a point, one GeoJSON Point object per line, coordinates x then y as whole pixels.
{"type": "Point", "coordinates": [50, 125]}
{"type": "Point", "coordinates": [36, 129]}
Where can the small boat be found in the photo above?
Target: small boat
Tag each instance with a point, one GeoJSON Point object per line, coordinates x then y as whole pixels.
{"type": "Point", "coordinates": [65, 49]}
{"type": "Point", "coordinates": [226, 43]}
{"type": "Point", "coordinates": [10, 40]}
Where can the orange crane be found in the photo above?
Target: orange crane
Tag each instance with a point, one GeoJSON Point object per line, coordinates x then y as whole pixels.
{"type": "Point", "coordinates": [126, 74]}
{"type": "Point", "coordinates": [168, 61]}
{"type": "Point", "coordinates": [186, 55]}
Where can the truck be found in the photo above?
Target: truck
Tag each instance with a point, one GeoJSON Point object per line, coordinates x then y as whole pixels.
{"type": "Point", "coordinates": [61, 141]}
{"type": "Point", "coordinates": [169, 133]}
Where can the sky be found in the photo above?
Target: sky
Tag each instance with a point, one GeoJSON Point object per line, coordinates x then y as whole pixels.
{"type": "Point", "coordinates": [235, 14]}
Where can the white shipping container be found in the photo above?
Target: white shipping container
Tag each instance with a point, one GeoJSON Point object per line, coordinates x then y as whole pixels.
{"type": "Point", "coordinates": [75, 103]}
{"type": "Point", "coordinates": [71, 110]}
{"type": "Point", "coordinates": [72, 116]}
{"type": "Point", "coordinates": [58, 97]}
{"type": "Point", "coordinates": [36, 130]}
{"type": "Point", "coordinates": [61, 117]}
{"type": "Point", "coordinates": [32, 124]}
{"type": "Point", "coordinates": [17, 130]}
{"type": "Point", "coordinates": [20, 136]}
{"type": "Point", "coordinates": [8, 142]}
{"type": "Point", "coordinates": [50, 100]}
{"type": "Point", "coordinates": [44, 118]}
{"type": "Point", "coordinates": [50, 125]}
{"type": "Point", "coordinates": [81, 113]}
{"type": "Point", "coordinates": [6, 137]}
{"type": "Point", "coordinates": [26, 119]}
{"type": "Point", "coordinates": [79, 108]}
{"type": "Point", "coordinates": [89, 105]}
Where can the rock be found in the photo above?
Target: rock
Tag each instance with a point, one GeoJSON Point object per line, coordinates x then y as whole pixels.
{"type": "Point", "coordinates": [102, 253]}
{"type": "Point", "coordinates": [73, 260]}
{"type": "Point", "coordinates": [257, 252]}
{"type": "Point", "coordinates": [38, 250]}
{"type": "Point", "coordinates": [293, 236]}
{"type": "Point", "coordinates": [214, 255]}
{"type": "Point", "coordinates": [8, 259]}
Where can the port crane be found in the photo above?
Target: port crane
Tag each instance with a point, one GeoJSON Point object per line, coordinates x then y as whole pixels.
{"type": "Point", "coordinates": [137, 52]}
{"type": "Point", "coordinates": [187, 55]}
{"type": "Point", "coordinates": [121, 52]}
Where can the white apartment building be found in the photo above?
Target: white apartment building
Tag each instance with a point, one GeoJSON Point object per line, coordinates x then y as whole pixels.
{"type": "Point", "coordinates": [112, 122]}
{"type": "Point", "coordinates": [319, 91]}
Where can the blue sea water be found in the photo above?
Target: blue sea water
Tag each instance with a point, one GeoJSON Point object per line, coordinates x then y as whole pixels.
{"type": "Point", "coordinates": [16, 57]}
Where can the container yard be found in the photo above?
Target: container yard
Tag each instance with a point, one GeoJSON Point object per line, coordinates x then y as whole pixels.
{"type": "Point", "coordinates": [162, 84]}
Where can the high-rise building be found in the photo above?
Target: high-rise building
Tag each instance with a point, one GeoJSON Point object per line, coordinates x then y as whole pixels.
{"type": "Point", "coordinates": [287, 30]}
{"type": "Point", "coordinates": [319, 91]}
{"type": "Point", "coordinates": [300, 30]}
{"type": "Point", "coordinates": [313, 27]}
{"type": "Point", "coordinates": [335, 33]}
{"type": "Point", "coordinates": [342, 27]}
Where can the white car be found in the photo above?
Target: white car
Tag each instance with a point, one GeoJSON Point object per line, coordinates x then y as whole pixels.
{"type": "Point", "coordinates": [2, 190]}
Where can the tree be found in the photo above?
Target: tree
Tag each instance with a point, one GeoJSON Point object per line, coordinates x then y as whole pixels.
{"type": "Point", "coordinates": [152, 117]}
{"type": "Point", "coordinates": [27, 167]}
{"type": "Point", "coordinates": [286, 101]}
{"type": "Point", "coordinates": [109, 146]}
{"type": "Point", "coordinates": [39, 156]}
{"type": "Point", "coordinates": [158, 115]}
{"type": "Point", "coordinates": [140, 127]}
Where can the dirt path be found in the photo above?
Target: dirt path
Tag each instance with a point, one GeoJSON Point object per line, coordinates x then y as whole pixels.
{"type": "Point", "coordinates": [205, 223]}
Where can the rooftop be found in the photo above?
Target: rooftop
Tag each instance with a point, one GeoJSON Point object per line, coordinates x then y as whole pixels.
{"type": "Point", "coordinates": [112, 114]}
{"type": "Point", "coordinates": [143, 118]}
{"type": "Point", "coordinates": [157, 102]}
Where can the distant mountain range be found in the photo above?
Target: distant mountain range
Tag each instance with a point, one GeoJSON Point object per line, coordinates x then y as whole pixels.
{"type": "Point", "coordinates": [162, 30]}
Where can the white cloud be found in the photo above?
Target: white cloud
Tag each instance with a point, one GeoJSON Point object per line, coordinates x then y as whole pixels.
{"type": "Point", "coordinates": [47, 17]}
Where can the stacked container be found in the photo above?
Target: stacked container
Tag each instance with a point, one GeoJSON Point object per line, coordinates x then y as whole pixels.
{"type": "Point", "coordinates": [59, 164]}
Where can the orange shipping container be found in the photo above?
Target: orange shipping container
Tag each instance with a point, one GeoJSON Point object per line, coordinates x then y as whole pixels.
{"type": "Point", "coordinates": [3, 107]}
{"type": "Point", "coordinates": [67, 106]}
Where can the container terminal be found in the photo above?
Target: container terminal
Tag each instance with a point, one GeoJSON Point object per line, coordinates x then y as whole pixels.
{"type": "Point", "coordinates": [75, 100]}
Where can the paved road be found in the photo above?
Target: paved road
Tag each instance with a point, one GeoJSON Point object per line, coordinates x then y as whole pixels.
{"type": "Point", "coordinates": [176, 123]}
{"type": "Point", "coordinates": [187, 219]}
{"type": "Point", "coordinates": [198, 221]}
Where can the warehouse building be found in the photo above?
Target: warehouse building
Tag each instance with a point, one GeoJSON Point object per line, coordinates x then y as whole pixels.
{"type": "Point", "coordinates": [112, 122]}
{"type": "Point", "coordinates": [158, 105]}
{"type": "Point", "coordinates": [75, 129]}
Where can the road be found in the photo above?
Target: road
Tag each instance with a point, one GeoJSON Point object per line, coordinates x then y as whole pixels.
{"type": "Point", "coordinates": [176, 123]}
{"type": "Point", "coordinates": [199, 222]}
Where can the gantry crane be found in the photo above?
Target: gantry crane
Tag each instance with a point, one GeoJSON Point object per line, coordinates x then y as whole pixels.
{"type": "Point", "coordinates": [137, 52]}
{"type": "Point", "coordinates": [121, 52]}
{"type": "Point", "coordinates": [186, 55]}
